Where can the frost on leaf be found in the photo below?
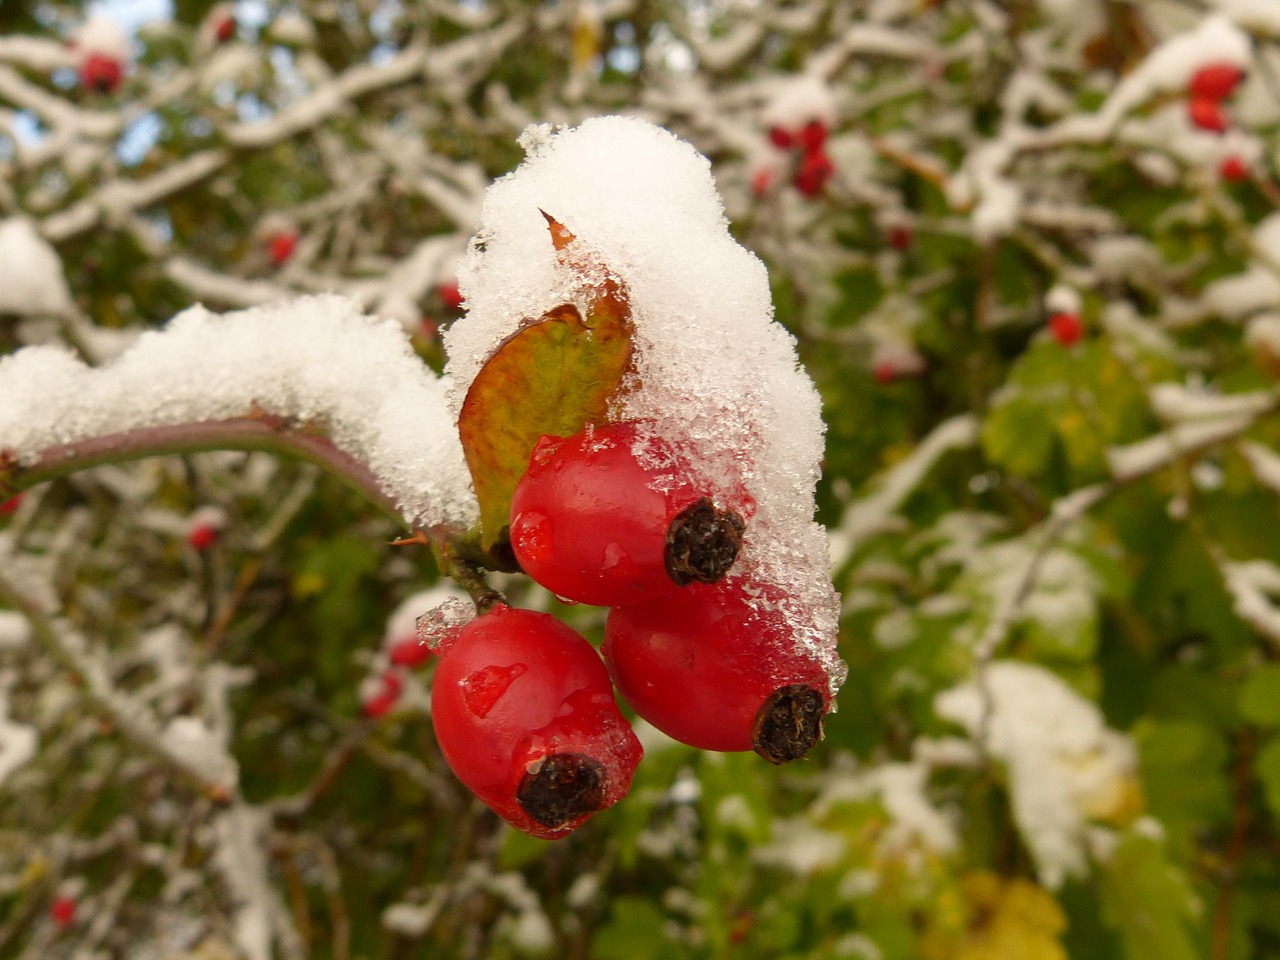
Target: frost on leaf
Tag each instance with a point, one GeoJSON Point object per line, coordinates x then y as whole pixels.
{"type": "Point", "coordinates": [552, 377]}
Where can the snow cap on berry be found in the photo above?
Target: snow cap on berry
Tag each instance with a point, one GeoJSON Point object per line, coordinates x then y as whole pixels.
{"type": "Point", "coordinates": [438, 627]}
{"type": "Point", "coordinates": [892, 358]}
{"type": "Point", "coordinates": [1170, 66]}
{"type": "Point", "coordinates": [204, 525]}
{"type": "Point", "coordinates": [1062, 299]}
{"type": "Point", "coordinates": [274, 224]}
{"type": "Point", "coordinates": [798, 101]}
{"type": "Point", "coordinates": [713, 374]}
{"type": "Point", "coordinates": [101, 35]}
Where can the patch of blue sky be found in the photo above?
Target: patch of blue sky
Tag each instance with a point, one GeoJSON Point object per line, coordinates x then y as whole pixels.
{"type": "Point", "coordinates": [27, 127]}
{"type": "Point", "coordinates": [138, 137]}
{"type": "Point", "coordinates": [131, 14]}
{"type": "Point", "coordinates": [253, 13]}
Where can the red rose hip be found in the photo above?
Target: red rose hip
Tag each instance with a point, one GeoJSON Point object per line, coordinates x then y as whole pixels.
{"type": "Point", "coordinates": [101, 73]}
{"type": "Point", "coordinates": [606, 518]}
{"type": "Point", "coordinates": [1207, 114]}
{"type": "Point", "coordinates": [451, 295]}
{"type": "Point", "coordinates": [719, 667]}
{"type": "Point", "coordinates": [814, 172]}
{"type": "Point", "coordinates": [526, 718]}
{"type": "Point", "coordinates": [812, 136]}
{"type": "Point", "coordinates": [63, 911]}
{"type": "Point", "coordinates": [280, 247]}
{"type": "Point", "coordinates": [1214, 81]}
{"type": "Point", "coordinates": [1066, 328]}
{"type": "Point", "coordinates": [1233, 169]}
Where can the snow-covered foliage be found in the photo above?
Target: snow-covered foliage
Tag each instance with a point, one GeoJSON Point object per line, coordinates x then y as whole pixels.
{"type": "Point", "coordinates": [1023, 259]}
{"type": "Point", "coordinates": [1065, 766]}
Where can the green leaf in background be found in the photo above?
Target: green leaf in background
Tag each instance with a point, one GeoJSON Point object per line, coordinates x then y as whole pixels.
{"type": "Point", "coordinates": [552, 377]}
{"type": "Point", "coordinates": [1184, 776]}
{"type": "Point", "coordinates": [1083, 398]}
{"type": "Point", "coordinates": [1268, 769]}
{"type": "Point", "coordinates": [634, 932]}
{"type": "Point", "coordinates": [1148, 901]}
{"type": "Point", "coordinates": [1018, 435]}
{"type": "Point", "coordinates": [331, 577]}
{"type": "Point", "coordinates": [1259, 700]}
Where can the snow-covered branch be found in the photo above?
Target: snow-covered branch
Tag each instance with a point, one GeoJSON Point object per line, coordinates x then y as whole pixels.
{"type": "Point", "coordinates": [872, 514]}
{"type": "Point", "coordinates": [313, 376]}
{"type": "Point", "coordinates": [1128, 464]}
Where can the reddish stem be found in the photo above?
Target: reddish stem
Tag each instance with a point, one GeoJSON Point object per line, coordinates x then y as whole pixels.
{"type": "Point", "coordinates": [265, 433]}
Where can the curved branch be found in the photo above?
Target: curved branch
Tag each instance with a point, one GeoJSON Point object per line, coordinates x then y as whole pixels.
{"type": "Point", "coordinates": [314, 378]}
{"type": "Point", "coordinates": [262, 432]}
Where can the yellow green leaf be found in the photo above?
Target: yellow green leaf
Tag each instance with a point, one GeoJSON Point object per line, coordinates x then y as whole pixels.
{"type": "Point", "coordinates": [1009, 919]}
{"type": "Point", "coordinates": [552, 377]}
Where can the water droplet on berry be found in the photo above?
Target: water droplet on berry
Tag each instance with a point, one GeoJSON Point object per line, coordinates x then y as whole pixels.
{"type": "Point", "coordinates": [485, 687]}
{"type": "Point", "coordinates": [566, 601]}
{"type": "Point", "coordinates": [531, 536]}
{"type": "Point", "coordinates": [617, 561]}
{"type": "Point", "coordinates": [544, 448]}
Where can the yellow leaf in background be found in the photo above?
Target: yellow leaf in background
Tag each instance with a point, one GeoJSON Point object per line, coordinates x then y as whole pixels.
{"type": "Point", "coordinates": [587, 34]}
{"type": "Point", "coordinates": [309, 584]}
{"type": "Point", "coordinates": [34, 871]}
{"type": "Point", "coordinates": [1009, 919]}
{"type": "Point", "coordinates": [1117, 801]}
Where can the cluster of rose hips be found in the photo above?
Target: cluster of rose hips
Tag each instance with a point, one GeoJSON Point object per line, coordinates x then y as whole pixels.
{"type": "Point", "coordinates": [807, 144]}
{"type": "Point", "coordinates": [1207, 89]}
{"type": "Point", "coordinates": [523, 706]}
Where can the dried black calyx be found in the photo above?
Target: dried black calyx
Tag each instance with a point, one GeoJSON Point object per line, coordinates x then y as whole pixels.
{"type": "Point", "coordinates": [565, 786]}
{"type": "Point", "coordinates": [789, 723]}
{"type": "Point", "coordinates": [702, 543]}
